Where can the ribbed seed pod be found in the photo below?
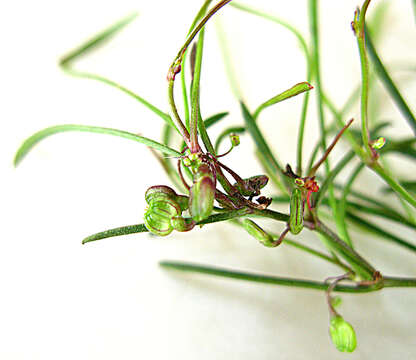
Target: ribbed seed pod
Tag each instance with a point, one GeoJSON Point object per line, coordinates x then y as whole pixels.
{"type": "Point", "coordinates": [158, 215]}
{"type": "Point", "coordinates": [296, 212]}
{"type": "Point", "coordinates": [165, 192]}
{"type": "Point", "coordinates": [202, 193]}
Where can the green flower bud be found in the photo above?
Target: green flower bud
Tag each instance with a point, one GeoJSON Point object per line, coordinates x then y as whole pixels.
{"type": "Point", "coordinates": [342, 334]}
{"type": "Point", "coordinates": [160, 192]}
{"type": "Point", "coordinates": [235, 140]}
{"type": "Point", "coordinates": [202, 194]}
{"type": "Point", "coordinates": [158, 215]}
{"type": "Point", "coordinates": [296, 212]}
{"type": "Point", "coordinates": [257, 232]}
{"type": "Point", "coordinates": [252, 185]}
{"type": "Point", "coordinates": [299, 182]}
{"type": "Point", "coordinates": [379, 143]}
{"type": "Point", "coordinates": [181, 224]}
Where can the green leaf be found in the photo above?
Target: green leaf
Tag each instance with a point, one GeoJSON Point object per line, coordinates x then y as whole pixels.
{"type": "Point", "coordinates": [97, 40]}
{"type": "Point", "coordinates": [259, 139]}
{"type": "Point", "coordinates": [123, 230]}
{"type": "Point", "coordinates": [139, 228]}
{"type": "Point", "coordinates": [35, 138]}
{"type": "Point", "coordinates": [293, 91]}
{"type": "Point", "coordinates": [214, 119]}
{"type": "Point", "coordinates": [380, 232]}
{"type": "Point", "coordinates": [274, 280]}
{"type": "Point", "coordinates": [389, 84]}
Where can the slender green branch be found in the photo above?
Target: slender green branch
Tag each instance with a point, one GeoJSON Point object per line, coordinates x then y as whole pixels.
{"type": "Point", "coordinates": [274, 280]}
{"type": "Point", "coordinates": [314, 22]}
{"type": "Point", "coordinates": [358, 25]}
{"type": "Point", "coordinates": [360, 266]}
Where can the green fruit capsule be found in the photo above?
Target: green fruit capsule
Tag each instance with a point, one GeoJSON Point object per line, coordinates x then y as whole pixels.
{"type": "Point", "coordinates": [296, 212]}
{"type": "Point", "coordinates": [181, 224]}
{"type": "Point", "coordinates": [342, 334]}
{"type": "Point", "coordinates": [202, 194]}
{"type": "Point", "coordinates": [160, 192]}
{"type": "Point", "coordinates": [158, 215]}
{"type": "Point", "coordinates": [257, 232]}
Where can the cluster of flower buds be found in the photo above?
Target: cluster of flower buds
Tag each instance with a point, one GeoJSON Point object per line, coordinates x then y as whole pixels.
{"type": "Point", "coordinates": [164, 211]}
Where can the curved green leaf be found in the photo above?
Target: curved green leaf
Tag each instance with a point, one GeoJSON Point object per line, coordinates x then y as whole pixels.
{"type": "Point", "coordinates": [40, 135]}
{"type": "Point", "coordinates": [293, 91]}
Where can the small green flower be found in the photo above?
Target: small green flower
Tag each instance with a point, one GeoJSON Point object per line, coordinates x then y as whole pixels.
{"type": "Point", "coordinates": [342, 334]}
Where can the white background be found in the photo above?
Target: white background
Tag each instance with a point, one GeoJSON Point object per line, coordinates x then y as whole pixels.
{"type": "Point", "coordinates": [110, 300]}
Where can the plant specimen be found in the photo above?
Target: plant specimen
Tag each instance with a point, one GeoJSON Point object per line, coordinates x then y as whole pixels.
{"type": "Point", "coordinates": [209, 191]}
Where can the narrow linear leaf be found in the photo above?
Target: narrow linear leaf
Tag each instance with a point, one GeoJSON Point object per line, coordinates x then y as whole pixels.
{"type": "Point", "coordinates": [380, 232]}
{"type": "Point", "coordinates": [293, 91]}
{"type": "Point", "coordinates": [123, 230]}
{"type": "Point", "coordinates": [389, 84]}
{"type": "Point", "coordinates": [214, 119]}
{"type": "Point", "coordinates": [259, 139]}
{"type": "Point", "coordinates": [35, 138]}
{"type": "Point", "coordinates": [266, 279]}
{"type": "Point", "coordinates": [139, 228]}
{"type": "Point", "coordinates": [98, 39]}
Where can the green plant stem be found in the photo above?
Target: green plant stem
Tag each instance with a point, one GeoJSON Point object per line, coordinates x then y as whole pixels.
{"type": "Point", "coordinates": [342, 204]}
{"type": "Point", "coordinates": [313, 16]}
{"type": "Point", "coordinates": [271, 172]}
{"type": "Point", "coordinates": [224, 134]}
{"type": "Point", "coordinates": [389, 84]}
{"type": "Point", "coordinates": [195, 110]}
{"type": "Point", "coordinates": [359, 32]}
{"type": "Point", "coordinates": [182, 128]}
{"type": "Point", "coordinates": [316, 253]}
{"type": "Point", "coordinates": [332, 174]}
{"type": "Point", "coordinates": [357, 262]}
{"type": "Point", "coordinates": [260, 142]}
{"type": "Point", "coordinates": [380, 232]}
{"type": "Point", "coordinates": [304, 49]}
{"type": "Point", "coordinates": [274, 280]}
